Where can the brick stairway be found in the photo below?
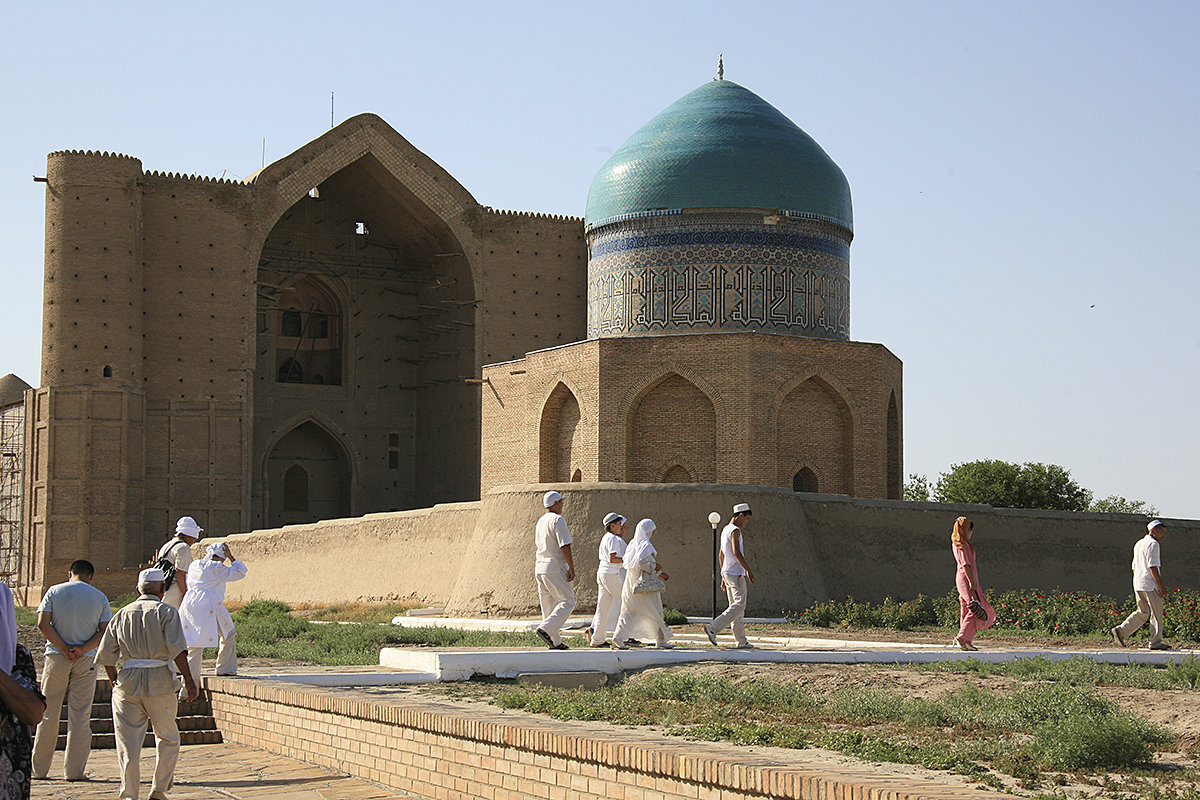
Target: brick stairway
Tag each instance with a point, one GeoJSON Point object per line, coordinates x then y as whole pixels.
{"type": "Point", "coordinates": [196, 723]}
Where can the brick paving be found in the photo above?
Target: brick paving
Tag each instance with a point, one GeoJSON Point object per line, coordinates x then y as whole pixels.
{"type": "Point", "coordinates": [217, 772]}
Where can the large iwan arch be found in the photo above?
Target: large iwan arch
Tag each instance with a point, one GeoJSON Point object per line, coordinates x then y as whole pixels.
{"type": "Point", "coordinates": [672, 422]}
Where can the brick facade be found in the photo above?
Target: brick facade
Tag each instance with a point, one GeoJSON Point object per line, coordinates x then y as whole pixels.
{"type": "Point", "coordinates": [749, 408]}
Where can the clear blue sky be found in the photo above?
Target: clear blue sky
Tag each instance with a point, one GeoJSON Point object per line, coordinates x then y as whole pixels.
{"type": "Point", "coordinates": [1026, 175]}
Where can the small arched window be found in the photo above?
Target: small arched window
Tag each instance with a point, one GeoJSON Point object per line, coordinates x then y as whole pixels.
{"type": "Point", "coordinates": [291, 324]}
{"type": "Point", "coordinates": [295, 489]}
{"type": "Point", "coordinates": [805, 481]}
{"type": "Point", "coordinates": [290, 371]}
{"type": "Point", "coordinates": [677, 474]}
{"type": "Point", "coordinates": [107, 371]}
{"type": "Point", "coordinates": [577, 476]}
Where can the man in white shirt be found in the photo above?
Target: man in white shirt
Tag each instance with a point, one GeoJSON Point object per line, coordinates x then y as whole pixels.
{"type": "Point", "coordinates": [178, 550]}
{"type": "Point", "coordinates": [735, 573]}
{"type": "Point", "coordinates": [72, 616]}
{"type": "Point", "coordinates": [144, 636]}
{"type": "Point", "coordinates": [554, 569]}
{"type": "Point", "coordinates": [610, 575]}
{"type": "Point", "coordinates": [1149, 588]}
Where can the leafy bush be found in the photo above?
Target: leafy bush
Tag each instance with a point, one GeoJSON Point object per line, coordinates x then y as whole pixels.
{"type": "Point", "coordinates": [1080, 742]}
{"type": "Point", "coordinates": [850, 613]}
{"type": "Point", "coordinates": [673, 616]}
{"type": "Point", "coordinates": [1053, 612]}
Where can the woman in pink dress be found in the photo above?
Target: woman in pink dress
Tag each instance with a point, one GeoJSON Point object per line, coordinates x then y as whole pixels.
{"type": "Point", "coordinates": [966, 577]}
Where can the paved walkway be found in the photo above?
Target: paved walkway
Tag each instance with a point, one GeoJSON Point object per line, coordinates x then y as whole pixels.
{"type": "Point", "coordinates": [216, 772]}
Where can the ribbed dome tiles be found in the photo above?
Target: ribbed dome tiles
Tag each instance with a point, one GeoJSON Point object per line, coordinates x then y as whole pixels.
{"type": "Point", "coordinates": [720, 146]}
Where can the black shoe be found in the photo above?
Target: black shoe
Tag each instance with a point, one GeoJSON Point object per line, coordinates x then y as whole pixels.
{"type": "Point", "coordinates": [633, 643]}
{"type": "Point", "coordinates": [545, 637]}
{"type": "Point", "coordinates": [560, 646]}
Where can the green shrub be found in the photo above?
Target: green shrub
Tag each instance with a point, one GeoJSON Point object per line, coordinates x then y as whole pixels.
{"type": "Point", "coordinates": [673, 616]}
{"type": "Point", "coordinates": [891, 613]}
{"type": "Point", "coordinates": [1080, 742]}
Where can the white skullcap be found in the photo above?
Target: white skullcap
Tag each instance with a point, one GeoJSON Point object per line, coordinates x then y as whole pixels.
{"type": "Point", "coordinates": [1154, 524]}
{"type": "Point", "coordinates": [742, 508]}
{"type": "Point", "coordinates": [612, 517]}
{"type": "Point", "coordinates": [215, 549]}
{"type": "Point", "coordinates": [550, 498]}
{"type": "Point", "coordinates": [151, 575]}
{"type": "Point", "coordinates": [187, 527]}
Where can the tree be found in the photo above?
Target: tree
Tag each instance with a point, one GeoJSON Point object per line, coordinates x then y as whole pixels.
{"type": "Point", "coordinates": [1115, 504]}
{"type": "Point", "coordinates": [916, 489]}
{"type": "Point", "coordinates": [1006, 485]}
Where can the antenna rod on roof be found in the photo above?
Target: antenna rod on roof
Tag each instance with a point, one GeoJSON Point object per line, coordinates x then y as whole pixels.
{"type": "Point", "coordinates": [331, 109]}
{"type": "Point", "coordinates": [721, 67]}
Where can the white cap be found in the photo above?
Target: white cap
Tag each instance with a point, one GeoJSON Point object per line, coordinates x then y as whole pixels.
{"type": "Point", "coordinates": [1154, 524]}
{"type": "Point", "coordinates": [742, 508]}
{"type": "Point", "coordinates": [550, 498]}
{"type": "Point", "coordinates": [151, 575]}
{"type": "Point", "coordinates": [187, 527]}
{"type": "Point", "coordinates": [612, 517]}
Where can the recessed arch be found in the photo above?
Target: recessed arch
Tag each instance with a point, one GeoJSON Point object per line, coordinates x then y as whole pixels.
{"type": "Point", "coordinates": [672, 421]}
{"type": "Point", "coordinates": [815, 430]}
{"type": "Point", "coordinates": [306, 316]}
{"type": "Point", "coordinates": [894, 466]}
{"type": "Point", "coordinates": [308, 475]}
{"type": "Point", "coordinates": [561, 440]}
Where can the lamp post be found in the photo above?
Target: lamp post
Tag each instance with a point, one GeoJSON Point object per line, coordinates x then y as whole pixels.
{"type": "Point", "coordinates": [715, 519]}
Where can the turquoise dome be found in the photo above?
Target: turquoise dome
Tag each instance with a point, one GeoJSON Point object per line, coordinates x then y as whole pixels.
{"type": "Point", "coordinates": [720, 146]}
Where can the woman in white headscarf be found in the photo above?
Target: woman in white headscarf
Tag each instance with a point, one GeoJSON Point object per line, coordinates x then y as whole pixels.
{"type": "Point", "coordinates": [206, 621]}
{"type": "Point", "coordinates": [21, 705]}
{"type": "Point", "coordinates": [641, 595]}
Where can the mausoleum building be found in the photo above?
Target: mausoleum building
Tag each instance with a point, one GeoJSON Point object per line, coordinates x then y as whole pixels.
{"type": "Point", "coordinates": [349, 331]}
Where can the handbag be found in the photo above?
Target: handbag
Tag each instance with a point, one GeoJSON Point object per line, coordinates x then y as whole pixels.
{"type": "Point", "coordinates": [978, 610]}
{"type": "Point", "coordinates": [649, 582]}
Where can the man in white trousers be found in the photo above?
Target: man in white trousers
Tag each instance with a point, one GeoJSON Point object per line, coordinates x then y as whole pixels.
{"type": "Point", "coordinates": [554, 569]}
{"type": "Point", "coordinates": [735, 573]}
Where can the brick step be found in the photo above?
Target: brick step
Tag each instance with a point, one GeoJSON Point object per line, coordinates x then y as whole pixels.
{"type": "Point", "coordinates": [196, 722]}
{"type": "Point", "coordinates": [108, 741]}
{"type": "Point", "coordinates": [195, 719]}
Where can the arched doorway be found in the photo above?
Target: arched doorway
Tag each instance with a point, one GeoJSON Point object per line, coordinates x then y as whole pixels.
{"type": "Point", "coordinates": [308, 477]}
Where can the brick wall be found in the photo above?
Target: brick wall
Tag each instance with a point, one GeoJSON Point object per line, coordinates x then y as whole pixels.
{"type": "Point", "coordinates": [437, 751]}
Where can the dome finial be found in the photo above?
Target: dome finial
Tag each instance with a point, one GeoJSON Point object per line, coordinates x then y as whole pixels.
{"type": "Point", "coordinates": [721, 67]}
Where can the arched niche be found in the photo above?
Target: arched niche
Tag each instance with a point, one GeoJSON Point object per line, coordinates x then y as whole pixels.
{"type": "Point", "coordinates": [672, 421]}
{"type": "Point", "coordinates": [815, 429]}
{"type": "Point", "coordinates": [894, 469]}
{"type": "Point", "coordinates": [560, 439]}
{"type": "Point", "coordinates": [308, 477]}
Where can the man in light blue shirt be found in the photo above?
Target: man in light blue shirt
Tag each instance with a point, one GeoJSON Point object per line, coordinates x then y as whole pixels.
{"type": "Point", "coordinates": [72, 616]}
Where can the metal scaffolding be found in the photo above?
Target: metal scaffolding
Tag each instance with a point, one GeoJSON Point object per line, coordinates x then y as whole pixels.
{"type": "Point", "coordinates": [12, 494]}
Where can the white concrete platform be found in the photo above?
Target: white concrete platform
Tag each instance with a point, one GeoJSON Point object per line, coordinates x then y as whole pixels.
{"type": "Point", "coordinates": [459, 665]}
{"type": "Point", "coordinates": [416, 618]}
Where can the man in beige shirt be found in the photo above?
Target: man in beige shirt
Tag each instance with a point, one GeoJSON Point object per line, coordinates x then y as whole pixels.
{"type": "Point", "coordinates": [146, 635]}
